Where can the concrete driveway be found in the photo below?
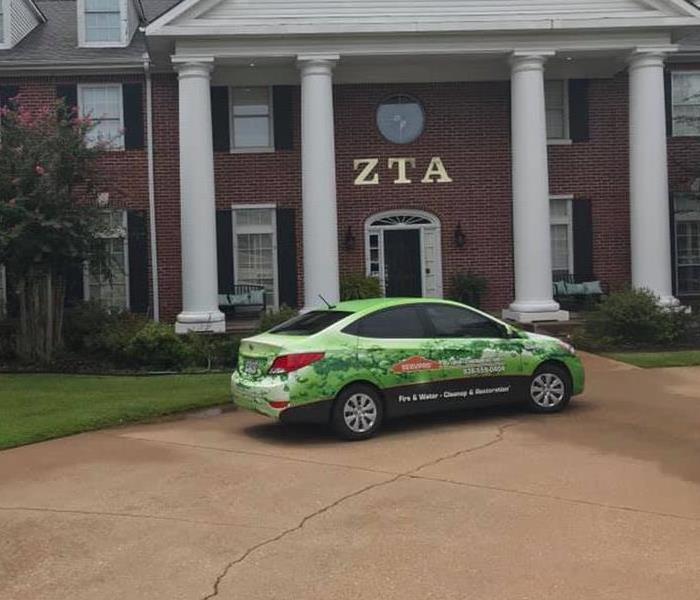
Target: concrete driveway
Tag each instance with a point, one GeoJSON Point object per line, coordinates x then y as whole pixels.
{"type": "Point", "coordinates": [602, 501]}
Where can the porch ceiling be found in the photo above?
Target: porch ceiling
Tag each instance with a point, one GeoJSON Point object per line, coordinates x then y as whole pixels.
{"type": "Point", "coordinates": [401, 69]}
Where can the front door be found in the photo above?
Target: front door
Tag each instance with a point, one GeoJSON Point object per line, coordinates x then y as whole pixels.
{"type": "Point", "coordinates": [402, 263]}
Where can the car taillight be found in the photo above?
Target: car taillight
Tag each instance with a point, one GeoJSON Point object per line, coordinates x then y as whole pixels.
{"type": "Point", "coordinates": [293, 362]}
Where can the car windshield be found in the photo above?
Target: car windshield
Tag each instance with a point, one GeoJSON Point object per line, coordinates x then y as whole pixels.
{"type": "Point", "coordinates": [310, 323]}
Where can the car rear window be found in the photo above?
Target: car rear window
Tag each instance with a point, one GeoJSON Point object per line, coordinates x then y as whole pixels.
{"type": "Point", "coordinates": [310, 323]}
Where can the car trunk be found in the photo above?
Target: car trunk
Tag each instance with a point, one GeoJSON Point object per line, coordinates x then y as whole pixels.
{"type": "Point", "coordinates": [256, 355]}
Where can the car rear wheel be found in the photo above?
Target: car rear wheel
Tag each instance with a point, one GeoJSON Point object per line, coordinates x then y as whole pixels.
{"type": "Point", "coordinates": [357, 413]}
{"type": "Point", "coordinates": [550, 389]}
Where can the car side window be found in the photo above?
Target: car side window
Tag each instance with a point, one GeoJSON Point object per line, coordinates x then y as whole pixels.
{"type": "Point", "coordinates": [456, 322]}
{"type": "Point", "coordinates": [402, 322]}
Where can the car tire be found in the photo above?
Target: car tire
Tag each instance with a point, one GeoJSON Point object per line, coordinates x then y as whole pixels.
{"type": "Point", "coordinates": [549, 390]}
{"type": "Point", "coordinates": [357, 413]}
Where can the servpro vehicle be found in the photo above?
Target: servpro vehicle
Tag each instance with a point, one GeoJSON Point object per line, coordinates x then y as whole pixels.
{"type": "Point", "coordinates": [358, 363]}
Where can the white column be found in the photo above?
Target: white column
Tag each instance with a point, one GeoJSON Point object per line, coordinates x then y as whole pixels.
{"type": "Point", "coordinates": [320, 215]}
{"type": "Point", "coordinates": [200, 311]}
{"type": "Point", "coordinates": [531, 228]}
{"type": "Point", "coordinates": [649, 208]}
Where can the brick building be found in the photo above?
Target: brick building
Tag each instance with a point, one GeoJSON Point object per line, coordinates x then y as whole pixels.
{"type": "Point", "coordinates": [289, 144]}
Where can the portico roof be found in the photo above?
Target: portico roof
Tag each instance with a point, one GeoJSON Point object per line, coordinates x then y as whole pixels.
{"type": "Point", "coordinates": [329, 17]}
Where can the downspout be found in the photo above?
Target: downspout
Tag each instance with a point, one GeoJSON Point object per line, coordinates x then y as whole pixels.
{"type": "Point", "coordinates": [151, 189]}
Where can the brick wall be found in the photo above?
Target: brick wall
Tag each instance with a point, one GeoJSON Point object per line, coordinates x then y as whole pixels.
{"type": "Point", "coordinates": [467, 125]}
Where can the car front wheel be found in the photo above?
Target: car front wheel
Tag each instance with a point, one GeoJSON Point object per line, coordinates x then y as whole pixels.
{"type": "Point", "coordinates": [357, 413]}
{"type": "Point", "coordinates": [550, 389]}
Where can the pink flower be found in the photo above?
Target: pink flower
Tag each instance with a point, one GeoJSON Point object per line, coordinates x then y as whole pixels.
{"type": "Point", "coordinates": [40, 170]}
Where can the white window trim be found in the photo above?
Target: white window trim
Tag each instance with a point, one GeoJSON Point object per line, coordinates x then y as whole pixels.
{"type": "Point", "coordinates": [566, 140]}
{"type": "Point", "coordinates": [568, 221]}
{"type": "Point", "coordinates": [81, 86]}
{"type": "Point", "coordinates": [258, 229]}
{"type": "Point", "coordinates": [6, 42]}
{"type": "Point", "coordinates": [231, 119]}
{"type": "Point", "coordinates": [690, 217]}
{"type": "Point", "coordinates": [673, 106]}
{"type": "Point", "coordinates": [124, 28]}
{"type": "Point", "coordinates": [125, 239]}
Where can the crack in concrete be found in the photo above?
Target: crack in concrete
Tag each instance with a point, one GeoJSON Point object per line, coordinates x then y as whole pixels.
{"type": "Point", "coordinates": [556, 498]}
{"type": "Point", "coordinates": [265, 455]}
{"type": "Point", "coordinates": [95, 513]}
{"type": "Point", "coordinates": [407, 474]}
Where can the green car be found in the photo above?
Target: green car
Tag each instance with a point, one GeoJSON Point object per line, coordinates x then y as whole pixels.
{"type": "Point", "coordinates": [358, 363]}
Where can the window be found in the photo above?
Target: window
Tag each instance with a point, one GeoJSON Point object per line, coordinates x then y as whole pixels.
{"type": "Point", "coordinates": [2, 22]}
{"type": "Point", "coordinates": [103, 21]}
{"type": "Point", "coordinates": [687, 212]}
{"type": "Point", "coordinates": [103, 103]}
{"type": "Point", "coordinates": [112, 292]}
{"type": "Point", "coordinates": [557, 109]}
{"type": "Point", "coordinates": [562, 238]}
{"type": "Point", "coordinates": [400, 119]}
{"type": "Point", "coordinates": [404, 322]}
{"type": "Point", "coordinates": [310, 323]}
{"type": "Point", "coordinates": [251, 119]}
{"type": "Point", "coordinates": [455, 322]}
{"type": "Point", "coordinates": [686, 103]}
{"type": "Point", "coordinates": [255, 248]}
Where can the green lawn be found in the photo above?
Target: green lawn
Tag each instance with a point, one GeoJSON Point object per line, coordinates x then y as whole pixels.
{"type": "Point", "coordinates": [40, 407]}
{"type": "Point", "coordinates": [652, 360]}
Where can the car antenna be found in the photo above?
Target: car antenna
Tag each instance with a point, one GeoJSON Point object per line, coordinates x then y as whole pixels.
{"type": "Point", "coordinates": [328, 304]}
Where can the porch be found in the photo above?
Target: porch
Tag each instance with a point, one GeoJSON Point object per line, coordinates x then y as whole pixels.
{"type": "Point", "coordinates": [209, 50]}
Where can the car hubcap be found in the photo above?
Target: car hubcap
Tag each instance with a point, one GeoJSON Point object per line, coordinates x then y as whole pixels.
{"type": "Point", "coordinates": [360, 413]}
{"type": "Point", "coordinates": [547, 390]}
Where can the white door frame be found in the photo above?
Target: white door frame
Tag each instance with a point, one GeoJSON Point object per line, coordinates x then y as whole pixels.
{"type": "Point", "coordinates": [402, 220]}
{"type": "Point", "coordinates": [272, 229]}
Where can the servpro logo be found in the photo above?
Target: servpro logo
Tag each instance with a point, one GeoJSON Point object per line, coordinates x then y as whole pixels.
{"type": "Point", "coordinates": [416, 364]}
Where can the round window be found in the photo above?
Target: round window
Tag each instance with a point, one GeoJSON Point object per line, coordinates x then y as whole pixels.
{"type": "Point", "coordinates": [400, 119]}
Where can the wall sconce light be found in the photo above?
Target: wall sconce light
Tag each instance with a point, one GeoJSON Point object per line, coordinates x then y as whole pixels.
{"type": "Point", "coordinates": [460, 239]}
{"type": "Point", "coordinates": [349, 239]}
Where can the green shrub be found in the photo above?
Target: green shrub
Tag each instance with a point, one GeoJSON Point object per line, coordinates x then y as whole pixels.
{"type": "Point", "coordinates": [83, 324]}
{"type": "Point", "coordinates": [274, 318]}
{"type": "Point", "coordinates": [633, 319]}
{"type": "Point", "coordinates": [469, 288]}
{"type": "Point", "coordinates": [157, 345]}
{"type": "Point", "coordinates": [359, 287]}
{"type": "Point", "coordinates": [212, 351]}
{"type": "Point", "coordinates": [94, 332]}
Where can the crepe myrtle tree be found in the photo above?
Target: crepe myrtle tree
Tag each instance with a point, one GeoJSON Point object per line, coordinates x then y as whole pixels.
{"type": "Point", "coordinates": [48, 222]}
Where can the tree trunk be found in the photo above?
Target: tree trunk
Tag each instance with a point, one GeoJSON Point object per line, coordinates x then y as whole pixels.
{"type": "Point", "coordinates": [41, 294]}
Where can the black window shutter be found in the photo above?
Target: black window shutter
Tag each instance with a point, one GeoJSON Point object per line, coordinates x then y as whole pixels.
{"type": "Point", "coordinates": [668, 86]}
{"type": "Point", "coordinates": [287, 257]}
{"type": "Point", "coordinates": [132, 101]}
{"type": "Point", "coordinates": [283, 112]}
{"type": "Point", "coordinates": [138, 261]}
{"type": "Point", "coordinates": [578, 110]}
{"type": "Point", "coordinates": [69, 93]}
{"type": "Point", "coordinates": [674, 234]}
{"type": "Point", "coordinates": [224, 250]}
{"type": "Point", "coordinates": [220, 118]}
{"type": "Point", "coordinates": [6, 93]}
{"type": "Point", "coordinates": [75, 290]}
{"type": "Point", "coordinates": [583, 239]}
